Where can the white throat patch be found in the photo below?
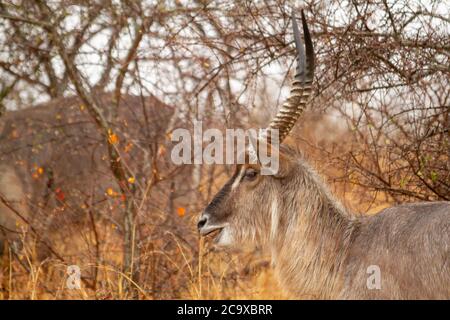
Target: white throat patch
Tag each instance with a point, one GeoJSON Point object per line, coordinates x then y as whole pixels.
{"type": "Point", "coordinates": [274, 218]}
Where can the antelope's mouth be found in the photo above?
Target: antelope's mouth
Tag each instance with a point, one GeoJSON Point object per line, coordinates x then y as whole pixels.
{"type": "Point", "coordinates": [212, 232]}
{"type": "Point", "coordinates": [219, 234]}
{"type": "Point", "coordinates": [206, 227]}
{"type": "Point", "coordinates": [216, 235]}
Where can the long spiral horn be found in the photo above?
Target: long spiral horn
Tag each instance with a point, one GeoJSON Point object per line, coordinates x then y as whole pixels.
{"type": "Point", "coordinates": [293, 107]}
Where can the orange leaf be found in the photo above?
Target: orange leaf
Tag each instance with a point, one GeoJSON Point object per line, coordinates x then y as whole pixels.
{"type": "Point", "coordinates": [181, 211]}
{"type": "Point", "coordinates": [110, 192]}
{"type": "Point", "coordinates": [128, 147]}
{"type": "Point", "coordinates": [59, 194]}
{"type": "Point", "coordinates": [112, 137]}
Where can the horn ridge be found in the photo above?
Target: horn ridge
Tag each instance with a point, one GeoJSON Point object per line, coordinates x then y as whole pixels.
{"type": "Point", "coordinates": [301, 86]}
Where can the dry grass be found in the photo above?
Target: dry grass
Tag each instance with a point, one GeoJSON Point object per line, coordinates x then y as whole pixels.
{"type": "Point", "coordinates": [175, 271]}
{"type": "Point", "coordinates": [216, 275]}
{"type": "Point", "coordinates": [174, 262]}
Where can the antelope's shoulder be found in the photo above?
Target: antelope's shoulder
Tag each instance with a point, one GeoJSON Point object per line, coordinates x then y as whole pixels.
{"type": "Point", "coordinates": [406, 224]}
{"type": "Point", "coordinates": [408, 243]}
{"type": "Point", "coordinates": [435, 208]}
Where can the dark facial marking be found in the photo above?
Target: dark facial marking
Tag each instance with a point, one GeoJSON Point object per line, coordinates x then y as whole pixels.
{"type": "Point", "coordinates": [215, 202]}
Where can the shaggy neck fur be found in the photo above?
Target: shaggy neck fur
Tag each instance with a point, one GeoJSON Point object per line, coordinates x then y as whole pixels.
{"type": "Point", "coordinates": [313, 240]}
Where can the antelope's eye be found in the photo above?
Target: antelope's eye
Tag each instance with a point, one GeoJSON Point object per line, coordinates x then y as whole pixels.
{"type": "Point", "coordinates": [250, 174]}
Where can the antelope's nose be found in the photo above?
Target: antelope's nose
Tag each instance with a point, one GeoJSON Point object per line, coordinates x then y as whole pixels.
{"type": "Point", "coordinates": [201, 222]}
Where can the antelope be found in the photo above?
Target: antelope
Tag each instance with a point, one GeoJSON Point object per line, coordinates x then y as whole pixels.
{"type": "Point", "coordinates": [318, 248]}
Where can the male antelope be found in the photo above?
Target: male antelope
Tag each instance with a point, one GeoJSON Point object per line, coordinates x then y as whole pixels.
{"type": "Point", "coordinates": [320, 250]}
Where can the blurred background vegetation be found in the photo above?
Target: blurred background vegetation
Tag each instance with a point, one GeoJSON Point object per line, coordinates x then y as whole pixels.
{"type": "Point", "coordinates": [90, 91]}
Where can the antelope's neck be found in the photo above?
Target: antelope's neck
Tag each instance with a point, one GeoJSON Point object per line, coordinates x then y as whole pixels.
{"type": "Point", "coordinates": [309, 256]}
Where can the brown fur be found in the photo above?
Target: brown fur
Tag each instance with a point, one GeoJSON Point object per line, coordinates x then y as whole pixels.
{"type": "Point", "coordinates": [319, 250]}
